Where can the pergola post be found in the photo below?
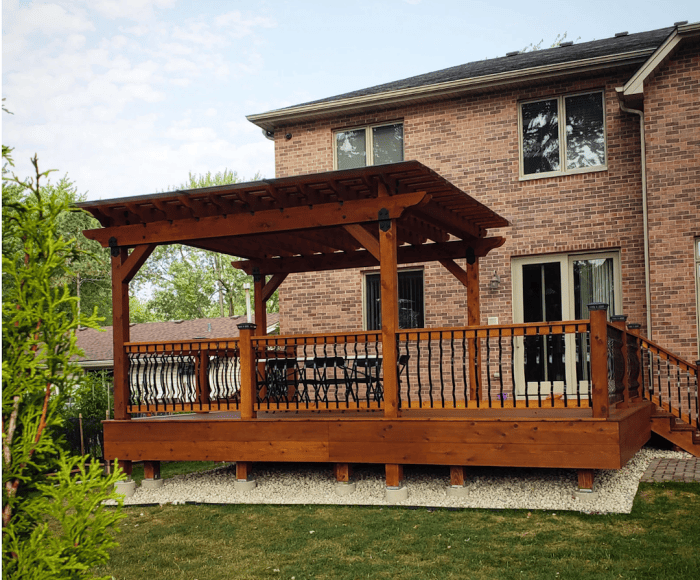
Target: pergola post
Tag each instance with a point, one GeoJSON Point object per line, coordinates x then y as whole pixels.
{"type": "Point", "coordinates": [124, 267]}
{"type": "Point", "coordinates": [599, 358]}
{"type": "Point", "coordinates": [389, 280]}
{"type": "Point", "coordinates": [248, 383]}
{"type": "Point", "coordinates": [260, 304]}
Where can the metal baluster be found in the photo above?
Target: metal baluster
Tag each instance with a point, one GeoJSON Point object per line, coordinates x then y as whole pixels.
{"type": "Point", "coordinates": [452, 368]}
{"type": "Point", "coordinates": [430, 368]}
{"type": "Point", "coordinates": [442, 380]}
{"type": "Point", "coordinates": [500, 366]}
{"type": "Point", "coordinates": [418, 372]}
{"type": "Point", "coordinates": [512, 367]}
{"type": "Point", "coordinates": [488, 368]}
{"type": "Point", "coordinates": [465, 380]}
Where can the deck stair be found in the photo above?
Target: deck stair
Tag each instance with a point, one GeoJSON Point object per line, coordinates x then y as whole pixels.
{"type": "Point", "coordinates": [675, 430]}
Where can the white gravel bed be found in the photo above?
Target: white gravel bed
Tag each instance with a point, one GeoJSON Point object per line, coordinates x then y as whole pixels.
{"type": "Point", "coordinates": [493, 488]}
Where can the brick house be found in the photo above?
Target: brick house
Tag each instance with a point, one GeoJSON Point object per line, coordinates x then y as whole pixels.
{"type": "Point", "coordinates": [552, 140]}
{"type": "Point", "coordinates": [543, 182]}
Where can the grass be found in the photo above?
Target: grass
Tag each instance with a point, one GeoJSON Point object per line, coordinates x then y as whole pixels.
{"type": "Point", "coordinates": [659, 539]}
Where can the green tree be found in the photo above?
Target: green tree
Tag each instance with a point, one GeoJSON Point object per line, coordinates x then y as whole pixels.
{"type": "Point", "coordinates": [54, 522]}
{"type": "Point", "coordinates": [186, 282]}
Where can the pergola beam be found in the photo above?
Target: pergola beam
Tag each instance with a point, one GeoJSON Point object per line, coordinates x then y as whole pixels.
{"type": "Point", "coordinates": [364, 259]}
{"type": "Point", "coordinates": [268, 221]}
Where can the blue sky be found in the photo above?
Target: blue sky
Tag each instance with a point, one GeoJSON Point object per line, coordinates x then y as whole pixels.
{"type": "Point", "coordinates": [127, 97]}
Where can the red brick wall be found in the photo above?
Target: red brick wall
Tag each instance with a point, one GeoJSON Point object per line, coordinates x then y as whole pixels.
{"type": "Point", "coordinates": [473, 142]}
{"type": "Point", "coordinates": [672, 125]}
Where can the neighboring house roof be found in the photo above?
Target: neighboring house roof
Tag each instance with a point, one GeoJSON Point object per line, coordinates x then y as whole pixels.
{"type": "Point", "coordinates": [513, 69]}
{"type": "Point", "coordinates": [98, 347]}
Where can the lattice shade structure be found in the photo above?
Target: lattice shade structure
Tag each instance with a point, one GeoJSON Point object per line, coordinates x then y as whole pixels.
{"type": "Point", "coordinates": [311, 216]}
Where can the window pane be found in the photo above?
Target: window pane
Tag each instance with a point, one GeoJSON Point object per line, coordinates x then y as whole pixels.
{"type": "Point", "coordinates": [411, 305]}
{"type": "Point", "coordinates": [585, 135]}
{"type": "Point", "coordinates": [593, 282]}
{"type": "Point", "coordinates": [373, 302]}
{"type": "Point", "coordinates": [387, 144]}
{"type": "Point", "coordinates": [540, 137]}
{"type": "Point", "coordinates": [411, 299]}
{"type": "Point", "coordinates": [351, 149]}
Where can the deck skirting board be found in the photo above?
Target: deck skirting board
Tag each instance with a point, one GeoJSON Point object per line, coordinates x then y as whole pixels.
{"type": "Point", "coordinates": [565, 443]}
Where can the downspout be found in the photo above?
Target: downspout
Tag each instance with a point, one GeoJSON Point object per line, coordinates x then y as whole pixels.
{"type": "Point", "coordinates": [647, 283]}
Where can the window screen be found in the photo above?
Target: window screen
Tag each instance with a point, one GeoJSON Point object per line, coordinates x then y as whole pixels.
{"type": "Point", "coordinates": [411, 304]}
{"type": "Point", "coordinates": [351, 149]}
{"type": "Point", "coordinates": [540, 137]}
{"type": "Point", "coordinates": [585, 136]}
{"type": "Point", "coordinates": [387, 144]}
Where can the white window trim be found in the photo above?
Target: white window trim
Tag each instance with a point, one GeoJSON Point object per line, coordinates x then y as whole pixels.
{"type": "Point", "coordinates": [561, 111]}
{"type": "Point", "coordinates": [369, 140]}
{"type": "Point", "coordinates": [567, 259]}
{"type": "Point", "coordinates": [364, 292]}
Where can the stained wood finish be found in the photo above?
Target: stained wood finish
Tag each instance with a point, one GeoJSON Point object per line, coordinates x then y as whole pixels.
{"type": "Point", "coordinates": [564, 442]}
{"type": "Point", "coordinates": [120, 335]}
{"type": "Point", "coordinates": [243, 470]}
{"type": "Point", "coordinates": [394, 475]}
{"type": "Point", "coordinates": [126, 466]}
{"type": "Point", "coordinates": [260, 305]}
{"type": "Point", "coordinates": [389, 281]}
{"type": "Point", "coordinates": [599, 362]}
{"type": "Point", "coordinates": [267, 221]}
{"type": "Point", "coordinates": [342, 472]}
{"type": "Point", "coordinates": [457, 475]}
{"type": "Point", "coordinates": [247, 371]}
{"type": "Point", "coordinates": [365, 238]}
{"type": "Point", "coordinates": [585, 479]}
{"type": "Point", "coordinates": [151, 469]}
{"type": "Point", "coordinates": [364, 259]}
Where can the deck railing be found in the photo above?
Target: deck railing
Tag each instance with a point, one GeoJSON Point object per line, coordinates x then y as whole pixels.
{"type": "Point", "coordinates": [505, 366]}
{"type": "Point", "coordinates": [196, 375]}
{"type": "Point", "coordinates": [576, 364]}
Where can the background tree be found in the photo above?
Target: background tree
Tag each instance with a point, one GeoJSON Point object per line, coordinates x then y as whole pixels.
{"type": "Point", "coordinates": [54, 522]}
{"type": "Point", "coordinates": [182, 282]}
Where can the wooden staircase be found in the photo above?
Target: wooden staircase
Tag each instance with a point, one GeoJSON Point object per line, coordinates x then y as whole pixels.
{"type": "Point", "coordinates": [676, 430]}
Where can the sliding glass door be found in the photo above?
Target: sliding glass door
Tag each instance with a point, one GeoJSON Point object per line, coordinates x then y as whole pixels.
{"type": "Point", "coordinates": [552, 289]}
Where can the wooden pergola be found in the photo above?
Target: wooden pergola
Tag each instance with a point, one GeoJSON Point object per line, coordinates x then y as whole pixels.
{"type": "Point", "coordinates": [426, 395]}
{"type": "Point", "coordinates": [372, 216]}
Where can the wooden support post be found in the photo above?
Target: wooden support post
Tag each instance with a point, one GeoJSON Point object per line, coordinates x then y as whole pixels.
{"type": "Point", "coordinates": [342, 472]}
{"type": "Point", "coordinates": [599, 359]}
{"type": "Point", "coordinates": [248, 382]}
{"type": "Point", "coordinates": [620, 321]}
{"type": "Point", "coordinates": [126, 466]}
{"type": "Point", "coordinates": [260, 305]}
{"type": "Point", "coordinates": [120, 335]}
{"type": "Point", "coordinates": [243, 469]}
{"type": "Point", "coordinates": [473, 319]}
{"type": "Point", "coordinates": [585, 479]}
{"type": "Point", "coordinates": [203, 382]}
{"type": "Point", "coordinates": [457, 475]}
{"type": "Point", "coordinates": [394, 475]}
{"type": "Point", "coordinates": [389, 280]}
{"type": "Point", "coordinates": [151, 469]}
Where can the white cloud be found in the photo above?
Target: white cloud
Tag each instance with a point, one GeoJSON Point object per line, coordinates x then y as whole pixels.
{"type": "Point", "coordinates": [104, 102]}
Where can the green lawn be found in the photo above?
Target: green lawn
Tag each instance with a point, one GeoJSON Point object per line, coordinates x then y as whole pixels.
{"type": "Point", "coordinates": [659, 539]}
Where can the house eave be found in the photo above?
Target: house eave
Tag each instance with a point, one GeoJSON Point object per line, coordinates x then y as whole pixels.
{"type": "Point", "coordinates": [633, 90]}
{"type": "Point", "coordinates": [273, 119]}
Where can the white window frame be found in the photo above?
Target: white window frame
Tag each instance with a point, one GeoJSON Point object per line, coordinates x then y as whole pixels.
{"type": "Point", "coordinates": [566, 265]}
{"type": "Point", "coordinates": [369, 140]}
{"type": "Point", "coordinates": [561, 113]}
{"type": "Point", "coordinates": [364, 292]}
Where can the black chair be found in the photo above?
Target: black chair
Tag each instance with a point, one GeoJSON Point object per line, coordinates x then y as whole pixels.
{"type": "Point", "coordinates": [325, 372]}
{"type": "Point", "coordinates": [280, 377]}
{"type": "Point", "coordinates": [365, 371]}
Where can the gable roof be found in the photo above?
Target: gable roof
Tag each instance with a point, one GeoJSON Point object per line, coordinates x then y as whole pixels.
{"type": "Point", "coordinates": [515, 69]}
{"type": "Point", "coordinates": [98, 345]}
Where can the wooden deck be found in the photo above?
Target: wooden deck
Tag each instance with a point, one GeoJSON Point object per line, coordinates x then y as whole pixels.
{"type": "Point", "coordinates": [569, 438]}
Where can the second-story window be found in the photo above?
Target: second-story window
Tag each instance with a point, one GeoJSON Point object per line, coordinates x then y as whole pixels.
{"type": "Point", "coordinates": [371, 145]}
{"type": "Point", "coordinates": [562, 135]}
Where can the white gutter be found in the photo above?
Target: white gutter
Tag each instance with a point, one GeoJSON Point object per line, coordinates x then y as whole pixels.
{"type": "Point", "coordinates": [269, 120]}
{"type": "Point", "coordinates": [647, 284]}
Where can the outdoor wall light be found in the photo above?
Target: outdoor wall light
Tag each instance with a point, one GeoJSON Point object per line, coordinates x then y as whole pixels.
{"type": "Point", "coordinates": [288, 136]}
{"type": "Point", "coordinates": [495, 282]}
